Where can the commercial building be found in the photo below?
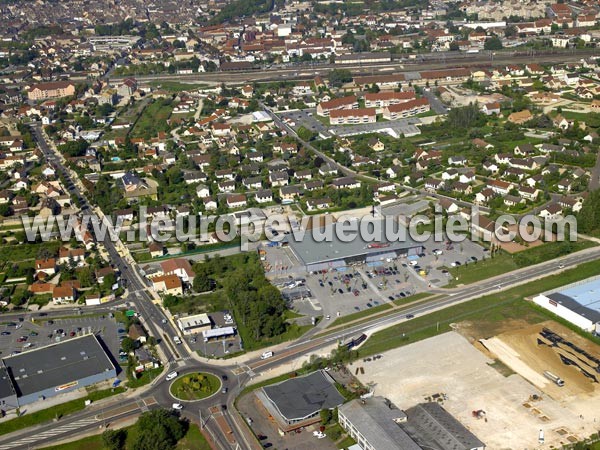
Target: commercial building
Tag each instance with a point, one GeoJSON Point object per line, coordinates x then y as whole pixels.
{"type": "Point", "coordinates": [579, 303]}
{"type": "Point", "coordinates": [297, 402]}
{"type": "Point", "coordinates": [52, 370]}
{"type": "Point", "coordinates": [194, 324]}
{"type": "Point", "coordinates": [376, 424]}
{"type": "Point", "coordinates": [322, 249]}
{"type": "Point", "coordinates": [217, 333]}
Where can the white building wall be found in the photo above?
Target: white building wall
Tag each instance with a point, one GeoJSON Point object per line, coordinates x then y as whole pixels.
{"type": "Point", "coordinates": [564, 312]}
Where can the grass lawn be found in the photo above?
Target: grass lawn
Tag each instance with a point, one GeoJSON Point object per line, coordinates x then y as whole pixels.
{"type": "Point", "coordinates": [195, 386]}
{"type": "Point", "coordinates": [368, 314]}
{"type": "Point", "coordinates": [87, 443]}
{"type": "Point", "coordinates": [361, 314]}
{"type": "Point", "coordinates": [29, 251]}
{"type": "Point", "coordinates": [147, 377]}
{"type": "Point", "coordinates": [193, 440]}
{"type": "Point", "coordinates": [411, 298]}
{"type": "Point", "coordinates": [294, 331]}
{"type": "Point", "coordinates": [46, 415]}
{"type": "Point", "coordinates": [504, 262]}
{"type": "Point", "coordinates": [346, 442]}
{"type": "Point", "coordinates": [290, 314]}
{"type": "Point", "coordinates": [486, 311]}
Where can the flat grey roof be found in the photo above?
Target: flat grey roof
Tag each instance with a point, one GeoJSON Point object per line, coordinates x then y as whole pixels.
{"type": "Point", "coordinates": [299, 398]}
{"type": "Point", "coordinates": [575, 306]}
{"type": "Point", "coordinates": [6, 386]}
{"type": "Point", "coordinates": [432, 427]}
{"type": "Point", "coordinates": [377, 423]}
{"type": "Point", "coordinates": [57, 364]}
{"type": "Point", "coordinates": [311, 250]}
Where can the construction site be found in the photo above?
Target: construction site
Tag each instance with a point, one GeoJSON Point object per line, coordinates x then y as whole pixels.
{"type": "Point", "coordinates": [497, 387]}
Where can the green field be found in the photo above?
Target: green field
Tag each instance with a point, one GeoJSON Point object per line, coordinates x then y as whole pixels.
{"type": "Point", "coordinates": [487, 312]}
{"type": "Point", "coordinates": [58, 411]}
{"type": "Point", "coordinates": [30, 251]}
{"type": "Point", "coordinates": [503, 262]}
{"type": "Point", "coordinates": [175, 86]}
{"type": "Point", "coordinates": [195, 386]}
{"type": "Point", "coordinates": [153, 119]}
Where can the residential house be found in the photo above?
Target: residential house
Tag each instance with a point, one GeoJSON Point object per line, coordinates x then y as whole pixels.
{"type": "Point", "coordinates": [168, 284]}
{"type": "Point", "coordinates": [551, 212]}
{"type": "Point", "coordinates": [314, 204]}
{"type": "Point", "coordinates": [263, 196]}
{"type": "Point", "coordinates": [236, 201]}
{"type": "Point", "coordinates": [520, 117]}
{"type": "Point", "coordinates": [63, 294]}
{"type": "Point", "coordinates": [180, 267]}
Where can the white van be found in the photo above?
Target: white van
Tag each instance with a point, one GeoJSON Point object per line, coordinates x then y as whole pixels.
{"type": "Point", "coordinates": [171, 375]}
{"type": "Point", "coordinates": [266, 355]}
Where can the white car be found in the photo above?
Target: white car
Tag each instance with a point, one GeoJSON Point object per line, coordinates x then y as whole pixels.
{"type": "Point", "coordinates": [171, 375]}
{"type": "Point", "coordinates": [561, 266]}
{"type": "Point", "coordinates": [177, 406]}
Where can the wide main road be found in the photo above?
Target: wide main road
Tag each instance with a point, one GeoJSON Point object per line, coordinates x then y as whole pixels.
{"type": "Point", "coordinates": [151, 314]}
{"type": "Point", "coordinates": [442, 301]}
{"type": "Point", "coordinates": [306, 71]}
{"type": "Point", "coordinates": [177, 357]}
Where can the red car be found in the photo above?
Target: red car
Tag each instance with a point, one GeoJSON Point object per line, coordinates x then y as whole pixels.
{"type": "Point", "coordinates": [355, 293]}
{"type": "Point", "coordinates": [22, 339]}
{"type": "Point", "coordinates": [72, 333]}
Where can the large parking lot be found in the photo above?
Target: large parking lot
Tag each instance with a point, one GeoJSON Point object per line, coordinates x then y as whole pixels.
{"type": "Point", "coordinates": [32, 331]}
{"type": "Point", "coordinates": [339, 293]}
{"type": "Point", "coordinates": [305, 118]}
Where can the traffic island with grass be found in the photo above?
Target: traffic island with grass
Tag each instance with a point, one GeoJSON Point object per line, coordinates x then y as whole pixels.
{"type": "Point", "coordinates": [195, 386]}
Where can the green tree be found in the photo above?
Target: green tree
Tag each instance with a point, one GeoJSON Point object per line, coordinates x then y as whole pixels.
{"type": "Point", "coordinates": [338, 77]}
{"type": "Point", "coordinates": [326, 416]}
{"type": "Point", "coordinates": [128, 345]}
{"type": "Point", "coordinates": [159, 430]}
{"type": "Point", "coordinates": [202, 282]}
{"type": "Point", "coordinates": [493, 43]}
{"type": "Point", "coordinates": [114, 439]}
{"type": "Point", "coordinates": [305, 134]}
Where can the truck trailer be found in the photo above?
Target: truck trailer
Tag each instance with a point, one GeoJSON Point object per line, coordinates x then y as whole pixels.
{"type": "Point", "coordinates": [554, 378]}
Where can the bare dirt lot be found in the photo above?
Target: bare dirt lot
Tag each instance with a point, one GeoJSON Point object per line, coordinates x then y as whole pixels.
{"type": "Point", "coordinates": [449, 368]}
{"type": "Point", "coordinates": [522, 351]}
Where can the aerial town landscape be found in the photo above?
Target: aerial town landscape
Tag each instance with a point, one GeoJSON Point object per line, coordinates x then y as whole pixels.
{"type": "Point", "coordinates": [297, 225]}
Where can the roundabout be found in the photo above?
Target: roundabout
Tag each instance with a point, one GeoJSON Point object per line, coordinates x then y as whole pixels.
{"type": "Point", "coordinates": [195, 386]}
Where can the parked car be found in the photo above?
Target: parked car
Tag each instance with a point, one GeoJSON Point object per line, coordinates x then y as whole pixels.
{"type": "Point", "coordinates": [177, 406]}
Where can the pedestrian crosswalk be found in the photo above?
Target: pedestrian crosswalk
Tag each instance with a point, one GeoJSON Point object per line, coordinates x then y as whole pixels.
{"type": "Point", "coordinates": [36, 437]}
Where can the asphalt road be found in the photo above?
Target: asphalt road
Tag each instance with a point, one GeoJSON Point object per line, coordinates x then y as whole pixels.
{"type": "Point", "coordinates": [177, 357]}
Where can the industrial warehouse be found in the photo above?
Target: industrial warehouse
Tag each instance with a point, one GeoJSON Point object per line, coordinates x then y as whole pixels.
{"type": "Point", "coordinates": [579, 303]}
{"type": "Point", "coordinates": [52, 370]}
{"type": "Point", "coordinates": [336, 253]}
